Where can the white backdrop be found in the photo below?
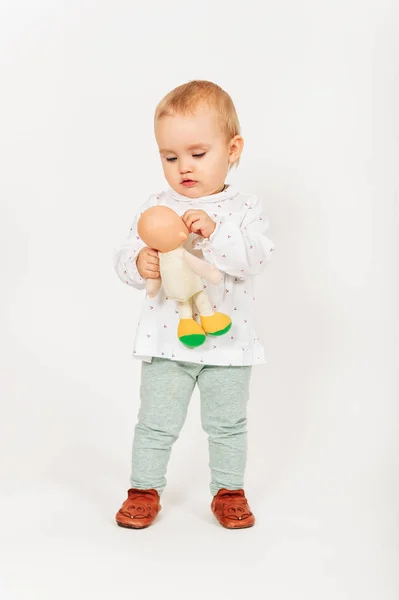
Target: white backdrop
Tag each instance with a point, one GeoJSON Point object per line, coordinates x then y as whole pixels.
{"type": "Point", "coordinates": [316, 89]}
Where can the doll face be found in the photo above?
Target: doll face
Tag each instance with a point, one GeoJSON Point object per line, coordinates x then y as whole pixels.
{"type": "Point", "coordinates": [162, 229]}
{"type": "Point", "coordinates": [195, 153]}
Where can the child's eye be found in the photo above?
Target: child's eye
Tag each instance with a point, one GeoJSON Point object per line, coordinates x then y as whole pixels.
{"type": "Point", "coordinates": [199, 155]}
{"type": "Point", "coordinates": [172, 159]}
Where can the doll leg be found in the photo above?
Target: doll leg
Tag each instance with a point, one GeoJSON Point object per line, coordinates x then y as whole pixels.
{"type": "Point", "coordinates": [186, 309]}
{"type": "Point", "coordinates": [212, 323]}
{"type": "Point", "coordinates": [189, 332]}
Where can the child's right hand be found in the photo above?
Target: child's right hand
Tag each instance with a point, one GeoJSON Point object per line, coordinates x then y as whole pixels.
{"type": "Point", "coordinates": [148, 263]}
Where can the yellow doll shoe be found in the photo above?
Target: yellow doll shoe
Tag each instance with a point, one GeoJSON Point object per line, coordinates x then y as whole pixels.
{"type": "Point", "coordinates": [190, 333]}
{"type": "Point", "coordinates": [217, 324]}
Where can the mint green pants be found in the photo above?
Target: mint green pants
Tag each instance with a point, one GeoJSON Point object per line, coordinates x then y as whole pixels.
{"type": "Point", "coordinates": [166, 390]}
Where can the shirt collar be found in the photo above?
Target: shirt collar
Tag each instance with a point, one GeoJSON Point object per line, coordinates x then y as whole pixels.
{"type": "Point", "coordinates": [229, 192]}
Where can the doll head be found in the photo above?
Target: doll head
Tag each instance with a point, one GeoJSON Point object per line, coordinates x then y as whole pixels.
{"type": "Point", "coordinates": [162, 229]}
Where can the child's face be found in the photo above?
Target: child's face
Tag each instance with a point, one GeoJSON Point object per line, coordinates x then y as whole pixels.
{"type": "Point", "coordinates": [195, 153]}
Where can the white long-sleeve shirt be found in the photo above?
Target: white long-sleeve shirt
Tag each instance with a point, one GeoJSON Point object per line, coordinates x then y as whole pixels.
{"type": "Point", "coordinates": [238, 248]}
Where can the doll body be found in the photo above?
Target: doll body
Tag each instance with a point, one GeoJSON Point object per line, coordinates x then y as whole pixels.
{"type": "Point", "coordinates": [181, 276]}
{"type": "Point", "coordinates": [179, 281]}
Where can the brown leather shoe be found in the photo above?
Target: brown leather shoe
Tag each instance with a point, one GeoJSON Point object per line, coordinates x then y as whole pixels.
{"type": "Point", "coordinates": [139, 509]}
{"type": "Point", "coordinates": [231, 509]}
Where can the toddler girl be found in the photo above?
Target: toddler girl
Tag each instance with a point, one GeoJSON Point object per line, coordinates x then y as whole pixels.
{"type": "Point", "coordinates": [198, 135]}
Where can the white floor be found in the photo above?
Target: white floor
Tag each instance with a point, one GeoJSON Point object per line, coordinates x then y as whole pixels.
{"type": "Point", "coordinates": [57, 543]}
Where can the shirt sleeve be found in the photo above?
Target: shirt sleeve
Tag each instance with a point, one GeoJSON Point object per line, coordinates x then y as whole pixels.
{"type": "Point", "coordinates": [240, 249]}
{"type": "Point", "coordinates": [125, 255]}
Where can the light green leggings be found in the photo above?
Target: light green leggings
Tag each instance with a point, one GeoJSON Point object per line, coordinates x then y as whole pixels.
{"type": "Point", "coordinates": [166, 390]}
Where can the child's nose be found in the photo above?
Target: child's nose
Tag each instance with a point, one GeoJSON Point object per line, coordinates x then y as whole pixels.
{"type": "Point", "coordinates": [185, 167]}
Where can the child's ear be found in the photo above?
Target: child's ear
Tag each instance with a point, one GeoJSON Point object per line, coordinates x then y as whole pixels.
{"type": "Point", "coordinates": [236, 148]}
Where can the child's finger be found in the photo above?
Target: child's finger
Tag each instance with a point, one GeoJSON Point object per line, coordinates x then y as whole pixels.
{"type": "Point", "coordinates": [193, 219]}
{"type": "Point", "coordinates": [196, 228]}
{"type": "Point", "coordinates": [190, 216]}
{"type": "Point", "coordinates": [189, 212]}
{"type": "Point", "coordinates": [152, 252]}
{"type": "Point", "coordinates": [151, 267]}
{"type": "Point", "coordinates": [151, 274]}
{"type": "Point", "coordinates": [186, 219]}
{"type": "Point", "coordinates": [152, 260]}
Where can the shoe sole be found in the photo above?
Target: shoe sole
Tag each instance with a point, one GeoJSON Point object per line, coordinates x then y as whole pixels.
{"type": "Point", "coordinates": [132, 527]}
{"type": "Point", "coordinates": [243, 527]}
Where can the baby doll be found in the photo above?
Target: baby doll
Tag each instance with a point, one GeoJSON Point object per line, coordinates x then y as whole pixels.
{"type": "Point", "coordinates": [161, 228]}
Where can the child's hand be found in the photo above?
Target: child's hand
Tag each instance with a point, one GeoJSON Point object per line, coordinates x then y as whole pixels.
{"type": "Point", "coordinates": [198, 221]}
{"type": "Point", "coordinates": [148, 263]}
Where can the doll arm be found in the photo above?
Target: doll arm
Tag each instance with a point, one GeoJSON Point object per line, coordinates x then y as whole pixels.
{"type": "Point", "coordinates": [153, 286]}
{"type": "Point", "coordinates": [203, 268]}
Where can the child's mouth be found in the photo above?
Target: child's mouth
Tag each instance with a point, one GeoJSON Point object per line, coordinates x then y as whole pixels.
{"type": "Point", "coordinates": [188, 182]}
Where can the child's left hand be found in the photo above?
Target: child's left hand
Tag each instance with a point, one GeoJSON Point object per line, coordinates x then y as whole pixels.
{"type": "Point", "coordinates": [198, 221]}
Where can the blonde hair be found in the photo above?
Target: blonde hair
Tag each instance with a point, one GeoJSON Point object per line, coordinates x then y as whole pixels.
{"type": "Point", "coordinates": [185, 98]}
